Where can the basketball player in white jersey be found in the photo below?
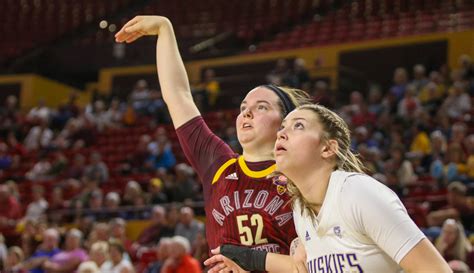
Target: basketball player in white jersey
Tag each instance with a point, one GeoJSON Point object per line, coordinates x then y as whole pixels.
{"type": "Point", "coordinates": [346, 221]}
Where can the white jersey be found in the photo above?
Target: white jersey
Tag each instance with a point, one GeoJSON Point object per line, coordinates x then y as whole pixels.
{"type": "Point", "coordinates": [362, 227]}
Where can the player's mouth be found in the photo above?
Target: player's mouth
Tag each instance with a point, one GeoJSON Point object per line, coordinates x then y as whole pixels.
{"type": "Point", "coordinates": [246, 126]}
{"type": "Point", "coordinates": [279, 149]}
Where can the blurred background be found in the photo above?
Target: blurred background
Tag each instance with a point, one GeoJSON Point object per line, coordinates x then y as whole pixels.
{"type": "Point", "coordinates": [90, 163]}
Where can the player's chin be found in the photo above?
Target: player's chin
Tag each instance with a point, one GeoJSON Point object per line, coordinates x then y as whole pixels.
{"type": "Point", "coordinates": [280, 162]}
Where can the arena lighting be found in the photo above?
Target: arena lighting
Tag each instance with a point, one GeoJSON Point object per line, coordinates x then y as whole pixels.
{"type": "Point", "coordinates": [103, 24]}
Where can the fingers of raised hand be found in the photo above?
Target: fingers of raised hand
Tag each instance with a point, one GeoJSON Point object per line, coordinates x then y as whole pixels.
{"type": "Point", "coordinates": [130, 29]}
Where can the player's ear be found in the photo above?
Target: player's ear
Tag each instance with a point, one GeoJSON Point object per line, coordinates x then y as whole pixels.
{"type": "Point", "coordinates": [329, 149]}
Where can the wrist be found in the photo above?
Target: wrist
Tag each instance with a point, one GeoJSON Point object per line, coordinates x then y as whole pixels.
{"type": "Point", "coordinates": [247, 258]}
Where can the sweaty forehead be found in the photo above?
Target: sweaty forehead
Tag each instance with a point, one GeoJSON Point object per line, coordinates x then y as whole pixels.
{"type": "Point", "coordinates": [261, 93]}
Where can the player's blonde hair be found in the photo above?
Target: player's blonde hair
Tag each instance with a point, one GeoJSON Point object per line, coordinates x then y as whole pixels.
{"type": "Point", "coordinates": [297, 96]}
{"type": "Point", "coordinates": [334, 128]}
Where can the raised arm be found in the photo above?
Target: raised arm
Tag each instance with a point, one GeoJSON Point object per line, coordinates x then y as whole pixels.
{"type": "Point", "coordinates": [171, 72]}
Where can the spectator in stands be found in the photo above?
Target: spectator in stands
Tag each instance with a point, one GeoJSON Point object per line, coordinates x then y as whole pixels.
{"type": "Point", "coordinates": [374, 104]}
{"type": "Point", "coordinates": [458, 101]}
{"type": "Point", "coordinates": [58, 165]}
{"type": "Point", "coordinates": [47, 249]}
{"type": "Point", "coordinates": [56, 203]}
{"type": "Point", "coordinates": [88, 187]}
{"type": "Point", "coordinates": [15, 146]}
{"type": "Point", "coordinates": [100, 232]}
{"type": "Point", "coordinates": [117, 258]}
{"type": "Point", "coordinates": [100, 117]}
{"type": "Point", "coordinates": [14, 259]}
{"type": "Point", "coordinates": [10, 212]}
{"type": "Point", "coordinates": [89, 267]}
{"type": "Point", "coordinates": [458, 208]}
{"type": "Point", "coordinates": [95, 206]}
{"type": "Point", "coordinates": [157, 196]}
{"type": "Point", "coordinates": [39, 136]}
{"type": "Point", "coordinates": [401, 166]}
{"type": "Point", "coordinates": [40, 170]}
{"type": "Point", "coordinates": [38, 206]}
{"type": "Point", "coordinates": [140, 97]}
{"type": "Point", "coordinates": [97, 170]}
{"type": "Point", "coordinates": [431, 97]}
{"type": "Point", "coordinates": [455, 167]}
{"type": "Point", "coordinates": [6, 160]}
{"type": "Point", "coordinates": [112, 201]}
{"type": "Point", "coordinates": [188, 226]}
{"type": "Point", "coordinates": [132, 194]}
{"type": "Point", "coordinates": [421, 143]}
{"type": "Point", "coordinates": [209, 88]}
{"type": "Point", "coordinates": [466, 67]}
{"type": "Point", "coordinates": [39, 112]}
{"type": "Point", "coordinates": [161, 154]}
{"type": "Point", "coordinates": [321, 94]}
{"type": "Point", "coordinates": [162, 253]}
{"type": "Point", "coordinates": [172, 217]}
{"type": "Point", "coordinates": [299, 76]}
{"type": "Point", "coordinates": [115, 113]}
{"type": "Point", "coordinates": [99, 254]}
{"type": "Point", "coordinates": [452, 243]}
{"type": "Point", "coordinates": [155, 231]}
{"type": "Point", "coordinates": [459, 266]}
{"type": "Point", "coordinates": [184, 186]}
{"type": "Point", "coordinates": [129, 116]}
{"type": "Point", "coordinates": [434, 161]}
{"type": "Point", "coordinates": [68, 260]}
{"type": "Point", "coordinates": [117, 232]}
{"type": "Point", "coordinates": [9, 116]}
{"type": "Point", "coordinates": [458, 135]}
{"type": "Point", "coordinates": [137, 161]}
{"type": "Point", "coordinates": [279, 75]}
{"type": "Point", "coordinates": [180, 260]}
{"type": "Point", "coordinates": [419, 77]}
{"type": "Point", "coordinates": [409, 105]}
{"type": "Point", "coordinates": [31, 233]}
{"type": "Point", "coordinates": [400, 80]}
{"type": "Point", "coordinates": [76, 169]}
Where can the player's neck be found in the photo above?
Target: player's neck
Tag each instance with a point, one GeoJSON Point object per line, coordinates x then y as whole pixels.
{"type": "Point", "coordinates": [257, 155]}
{"type": "Point", "coordinates": [313, 183]}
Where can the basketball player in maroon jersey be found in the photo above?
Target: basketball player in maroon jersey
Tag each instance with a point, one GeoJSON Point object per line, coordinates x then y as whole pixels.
{"type": "Point", "coordinates": [242, 205]}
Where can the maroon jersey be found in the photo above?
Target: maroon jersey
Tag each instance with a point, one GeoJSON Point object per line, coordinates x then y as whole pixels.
{"type": "Point", "coordinates": [242, 206]}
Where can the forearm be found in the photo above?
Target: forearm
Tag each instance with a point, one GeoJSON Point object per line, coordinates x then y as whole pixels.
{"type": "Point", "coordinates": [251, 260]}
{"type": "Point", "coordinates": [277, 263]}
{"type": "Point", "coordinates": [173, 77]}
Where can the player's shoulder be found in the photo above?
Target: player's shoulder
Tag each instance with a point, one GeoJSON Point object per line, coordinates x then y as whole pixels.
{"type": "Point", "coordinates": [357, 185]}
{"type": "Point", "coordinates": [224, 164]}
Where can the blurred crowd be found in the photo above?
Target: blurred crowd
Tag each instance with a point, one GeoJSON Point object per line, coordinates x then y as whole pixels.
{"type": "Point", "coordinates": [416, 136]}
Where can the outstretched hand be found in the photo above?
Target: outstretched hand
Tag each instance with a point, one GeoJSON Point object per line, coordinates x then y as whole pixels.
{"type": "Point", "coordinates": [222, 264]}
{"type": "Point", "coordinates": [141, 26]}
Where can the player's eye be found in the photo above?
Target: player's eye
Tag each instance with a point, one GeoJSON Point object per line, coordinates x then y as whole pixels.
{"type": "Point", "coordinates": [298, 125]}
{"type": "Point", "coordinates": [242, 108]}
{"type": "Point", "coordinates": [262, 107]}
